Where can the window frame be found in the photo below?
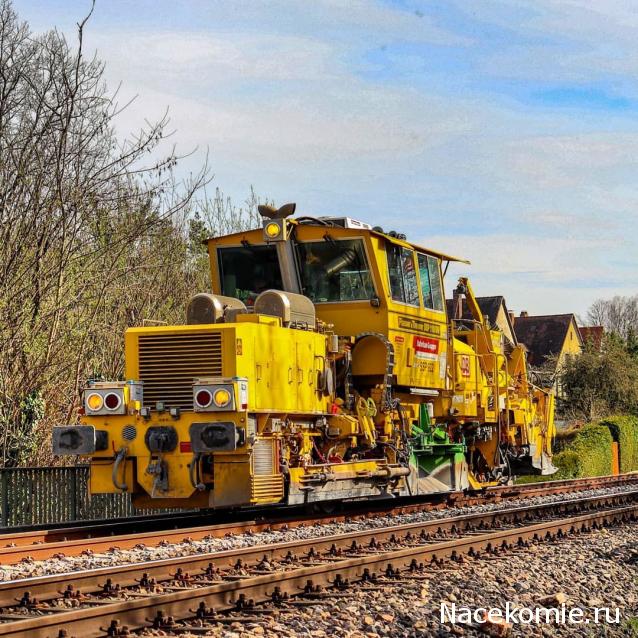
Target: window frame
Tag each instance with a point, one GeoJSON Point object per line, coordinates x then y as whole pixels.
{"type": "Point", "coordinates": [366, 252]}
{"type": "Point", "coordinates": [416, 276]}
{"type": "Point", "coordinates": [220, 270]}
{"type": "Point", "coordinates": [427, 256]}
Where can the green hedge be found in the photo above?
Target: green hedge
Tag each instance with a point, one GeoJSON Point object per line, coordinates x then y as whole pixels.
{"type": "Point", "coordinates": [624, 429]}
{"type": "Point", "coordinates": [587, 452]}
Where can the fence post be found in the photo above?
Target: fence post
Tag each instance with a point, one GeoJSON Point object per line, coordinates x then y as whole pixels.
{"type": "Point", "coordinates": [4, 496]}
{"type": "Point", "coordinates": [615, 458]}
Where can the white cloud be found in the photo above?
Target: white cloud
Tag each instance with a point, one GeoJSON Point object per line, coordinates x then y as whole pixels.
{"type": "Point", "coordinates": [561, 161]}
{"type": "Point", "coordinates": [347, 21]}
{"type": "Point", "coordinates": [510, 253]}
{"type": "Point", "coordinates": [190, 57]}
{"type": "Point", "coordinates": [284, 95]}
{"type": "Point", "coordinates": [575, 41]}
{"type": "Point", "coordinates": [319, 128]}
{"type": "Point", "coordinates": [278, 99]}
{"type": "Point", "coordinates": [539, 274]}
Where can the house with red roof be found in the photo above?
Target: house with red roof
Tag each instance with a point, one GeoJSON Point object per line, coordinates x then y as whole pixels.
{"type": "Point", "coordinates": [593, 334]}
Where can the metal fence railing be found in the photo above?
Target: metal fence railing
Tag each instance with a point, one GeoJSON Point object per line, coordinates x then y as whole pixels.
{"type": "Point", "coordinates": [40, 495]}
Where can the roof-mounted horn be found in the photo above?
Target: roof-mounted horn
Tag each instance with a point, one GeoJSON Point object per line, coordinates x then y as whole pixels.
{"type": "Point", "coordinates": [270, 212]}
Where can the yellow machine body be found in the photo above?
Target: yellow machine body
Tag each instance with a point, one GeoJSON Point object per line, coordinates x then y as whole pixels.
{"type": "Point", "coordinates": [333, 372]}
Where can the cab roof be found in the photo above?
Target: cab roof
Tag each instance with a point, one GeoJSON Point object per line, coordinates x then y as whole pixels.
{"type": "Point", "coordinates": [358, 231]}
{"type": "Point", "coordinates": [423, 249]}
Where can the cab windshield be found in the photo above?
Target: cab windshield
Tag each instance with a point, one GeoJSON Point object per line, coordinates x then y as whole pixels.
{"type": "Point", "coordinates": [248, 270]}
{"type": "Point", "coordinates": [334, 270]}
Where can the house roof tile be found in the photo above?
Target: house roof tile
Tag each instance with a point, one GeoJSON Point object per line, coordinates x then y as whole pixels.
{"type": "Point", "coordinates": [542, 335]}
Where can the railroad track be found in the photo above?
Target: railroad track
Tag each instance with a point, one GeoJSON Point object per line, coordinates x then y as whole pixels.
{"type": "Point", "coordinates": [103, 536]}
{"type": "Point", "coordinates": [194, 592]}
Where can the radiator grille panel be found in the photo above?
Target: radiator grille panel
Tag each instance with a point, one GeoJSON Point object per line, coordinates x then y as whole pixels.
{"type": "Point", "coordinates": [267, 489]}
{"type": "Point", "coordinates": [266, 485]}
{"type": "Point", "coordinates": [263, 456]}
{"type": "Point", "coordinates": [169, 363]}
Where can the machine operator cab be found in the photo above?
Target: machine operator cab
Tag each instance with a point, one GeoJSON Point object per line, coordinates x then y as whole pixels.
{"type": "Point", "coordinates": [362, 281]}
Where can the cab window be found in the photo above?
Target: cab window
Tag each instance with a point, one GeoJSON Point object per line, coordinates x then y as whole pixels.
{"type": "Point", "coordinates": [403, 283]}
{"type": "Point", "coordinates": [248, 270]}
{"type": "Point", "coordinates": [431, 285]}
{"type": "Point", "coordinates": [334, 270]}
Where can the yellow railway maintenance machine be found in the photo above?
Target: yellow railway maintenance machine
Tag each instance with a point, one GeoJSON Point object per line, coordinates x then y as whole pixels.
{"type": "Point", "coordinates": [323, 366]}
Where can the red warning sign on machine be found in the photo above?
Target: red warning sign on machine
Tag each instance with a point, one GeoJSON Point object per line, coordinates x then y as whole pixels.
{"type": "Point", "coordinates": [425, 348]}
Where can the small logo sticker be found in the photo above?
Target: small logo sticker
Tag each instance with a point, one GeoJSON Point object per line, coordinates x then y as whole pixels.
{"type": "Point", "coordinates": [426, 348]}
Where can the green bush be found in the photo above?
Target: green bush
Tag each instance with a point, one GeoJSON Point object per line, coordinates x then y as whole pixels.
{"type": "Point", "coordinates": [585, 452]}
{"type": "Point", "coordinates": [564, 439]}
{"type": "Point", "coordinates": [624, 429]}
{"type": "Point", "coordinates": [569, 465]}
{"type": "Point", "coordinates": [579, 453]}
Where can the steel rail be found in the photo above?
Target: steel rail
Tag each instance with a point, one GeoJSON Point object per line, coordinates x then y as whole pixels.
{"type": "Point", "coordinates": [74, 541]}
{"type": "Point", "coordinates": [29, 535]}
{"type": "Point", "coordinates": [222, 596]}
{"type": "Point", "coordinates": [49, 587]}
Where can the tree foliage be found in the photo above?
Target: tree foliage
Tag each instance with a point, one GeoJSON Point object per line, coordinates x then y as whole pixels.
{"type": "Point", "coordinates": [95, 233]}
{"type": "Point", "coordinates": [601, 381]}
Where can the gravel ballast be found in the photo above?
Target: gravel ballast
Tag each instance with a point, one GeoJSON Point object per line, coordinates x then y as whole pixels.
{"type": "Point", "coordinates": [66, 564]}
{"type": "Point", "coordinates": [593, 570]}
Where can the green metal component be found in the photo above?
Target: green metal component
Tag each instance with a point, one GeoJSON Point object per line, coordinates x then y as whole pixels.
{"type": "Point", "coordinates": [431, 445]}
{"type": "Point", "coordinates": [427, 435]}
{"type": "Point", "coordinates": [424, 416]}
{"type": "Point", "coordinates": [431, 461]}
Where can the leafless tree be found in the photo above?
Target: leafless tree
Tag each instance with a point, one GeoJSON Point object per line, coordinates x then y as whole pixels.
{"type": "Point", "coordinates": [618, 315]}
{"type": "Point", "coordinates": [91, 232]}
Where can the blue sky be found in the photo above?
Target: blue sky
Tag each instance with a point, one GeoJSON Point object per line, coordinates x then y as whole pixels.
{"type": "Point", "coordinates": [505, 131]}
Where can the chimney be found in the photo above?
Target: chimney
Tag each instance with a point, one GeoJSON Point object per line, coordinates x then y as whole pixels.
{"type": "Point", "coordinates": [512, 317]}
{"type": "Point", "coordinates": [524, 313]}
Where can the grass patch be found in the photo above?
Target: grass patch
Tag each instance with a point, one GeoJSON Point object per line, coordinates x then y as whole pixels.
{"type": "Point", "coordinates": [631, 626]}
{"type": "Point", "coordinates": [531, 478]}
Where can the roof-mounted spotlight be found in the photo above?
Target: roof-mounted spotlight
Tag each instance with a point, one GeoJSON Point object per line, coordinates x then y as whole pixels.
{"type": "Point", "coordinates": [275, 226]}
{"type": "Point", "coordinates": [276, 229]}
